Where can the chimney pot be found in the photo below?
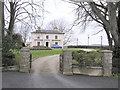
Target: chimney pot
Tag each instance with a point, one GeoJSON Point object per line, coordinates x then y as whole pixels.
{"type": "Point", "coordinates": [55, 28]}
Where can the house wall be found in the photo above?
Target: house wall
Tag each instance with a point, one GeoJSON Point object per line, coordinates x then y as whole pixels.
{"type": "Point", "coordinates": [43, 39]}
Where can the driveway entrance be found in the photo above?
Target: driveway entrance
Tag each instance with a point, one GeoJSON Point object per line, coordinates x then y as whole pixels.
{"type": "Point", "coordinates": [45, 75]}
{"type": "Point", "coordinates": [47, 64]}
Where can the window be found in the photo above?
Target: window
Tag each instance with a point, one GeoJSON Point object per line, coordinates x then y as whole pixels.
{"type": "Point", "coordinates": [38, 37]}
{"type": "Point", "coordinates": [38, 43]}
{"type": "Point", "coordinates": [56, 37]}
{"type": "Point", "coordinates": [56, 43]}
{"type": "Point", "coordinates": [47, 37]}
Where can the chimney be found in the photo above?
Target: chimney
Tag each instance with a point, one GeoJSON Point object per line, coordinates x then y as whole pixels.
{"type": "Point", "coordinates": [55, 28]}
{"type": "Point", "coordinates": [38, 28]}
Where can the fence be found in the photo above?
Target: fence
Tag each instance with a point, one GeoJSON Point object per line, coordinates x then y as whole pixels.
{"type": "Point", "coordinates": [68, 68]}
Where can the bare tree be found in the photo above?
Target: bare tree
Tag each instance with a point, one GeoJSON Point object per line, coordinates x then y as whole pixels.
{"type": "Point", "coordinates": [85, 15]}
{"type": "Point", "coordinates": [105, 13]}
{"type": "Point", "coordinates": [27, 12]}
{"type": "Point", "coordinates": [25, 32]}
{"type": "Point", "coordinates": [63, 27]}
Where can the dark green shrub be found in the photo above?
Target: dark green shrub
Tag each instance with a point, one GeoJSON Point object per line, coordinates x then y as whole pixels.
{"type": "Point", "coordinates": [8, 59]}
{"type": "Point", "coordinates": [87, 58]}
{"type": "Point", "coordinates": [10, 43]}
{"type": "Point", "coordinates": [6, 43]}
{"type": "Point", "coordinates": [94, 57]}
{"type": "Point", "coordinates": [17, 41]}
{"type": "Point", "coordinates": [80, 57]}
{"type": "Point", "coordinates": [78, 54]}
{"type": "Point", "coordinates": [81, 51]}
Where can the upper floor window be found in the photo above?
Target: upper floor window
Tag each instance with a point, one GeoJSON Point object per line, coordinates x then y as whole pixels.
{"type": "Point", "coordinates": [38, 37]}
{"type": "Point", "coordinates": [47, 37]}
{"type": "Point", "coordinates": [56, 37]}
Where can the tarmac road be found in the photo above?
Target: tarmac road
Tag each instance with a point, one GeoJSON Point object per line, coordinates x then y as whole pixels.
{"type": "Point", "coordinates": [46, 75]}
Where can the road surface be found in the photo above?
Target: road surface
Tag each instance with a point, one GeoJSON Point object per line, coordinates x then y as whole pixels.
{"type": "Point", "coordinates": [45, 74]}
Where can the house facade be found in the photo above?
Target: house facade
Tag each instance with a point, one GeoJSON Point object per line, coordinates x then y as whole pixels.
{"type": "Point", "coordinates": [47, 38]}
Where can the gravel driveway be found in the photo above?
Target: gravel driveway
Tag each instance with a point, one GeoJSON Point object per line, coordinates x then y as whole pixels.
{"type": "Point", "coordinates": [47, 64]}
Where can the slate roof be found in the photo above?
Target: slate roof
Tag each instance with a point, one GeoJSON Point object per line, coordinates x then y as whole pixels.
{"type": "Point", "coordinates": [48, 31]}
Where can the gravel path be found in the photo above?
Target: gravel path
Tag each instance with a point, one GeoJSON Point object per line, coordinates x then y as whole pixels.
{"type": "Point", "coordinates": [47, 64]}
{"type": "Point", "coordinates": [88, 50]}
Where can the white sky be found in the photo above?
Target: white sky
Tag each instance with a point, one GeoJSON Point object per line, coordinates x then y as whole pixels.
{"type": "Point", "coordinates": [62, 10]}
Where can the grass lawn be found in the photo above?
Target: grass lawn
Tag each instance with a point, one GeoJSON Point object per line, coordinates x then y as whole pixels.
{"type": "Point", "coordinates": [74, 49]}
{"type": "Point", "coordinates": [39, 53]}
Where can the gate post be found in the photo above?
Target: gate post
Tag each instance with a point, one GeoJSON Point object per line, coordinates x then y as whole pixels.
{"type": "Point", "coordinates": [67, 62]}
{"type": "Point", "coordinates": [24, 62]}
{"type": "Point", "coordinates": [106, 57]}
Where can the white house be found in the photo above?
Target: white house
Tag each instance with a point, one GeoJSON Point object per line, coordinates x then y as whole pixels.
{"type": "Point", "coordinates": [47, 38]}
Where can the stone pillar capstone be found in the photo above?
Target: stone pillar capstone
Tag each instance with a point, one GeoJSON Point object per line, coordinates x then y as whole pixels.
{"type": "Point", "coordinates": [25, 60]}
{"type": "Point", "coordinates": [106, 57]}
{"type": "Point", "coordinates": [67, 62]}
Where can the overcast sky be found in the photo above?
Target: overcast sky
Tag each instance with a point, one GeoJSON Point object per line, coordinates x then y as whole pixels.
{"type": "Point", "coordinates": [61, 10]}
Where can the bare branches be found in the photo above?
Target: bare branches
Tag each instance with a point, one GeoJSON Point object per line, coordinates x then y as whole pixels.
{"type": "Point", "coordinates": [97, 32]}
{"type": "Point", "coordinates": [98, 13]}
{"type": "Point", "coordinates": [27, 12]}
{"type": "Point", "coordinates": [106, 14]}
{"type": "Point", "coordinates": [86, 13]}
{"type": "Point", "coordinates": [6, 8]}
{"type": "Point", "coordinates": [24, 31]}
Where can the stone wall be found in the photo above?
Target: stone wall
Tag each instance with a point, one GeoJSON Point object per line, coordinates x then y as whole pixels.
{"type": "Point", "coordinates": [92, 71]}
{"type": "Point", "coordinates": [67, 68]}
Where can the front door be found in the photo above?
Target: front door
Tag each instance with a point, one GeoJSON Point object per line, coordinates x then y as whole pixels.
{"type": "Point", "coordinates": [38, 43]}
{"type": "Point", "coordinates": [47, 44]}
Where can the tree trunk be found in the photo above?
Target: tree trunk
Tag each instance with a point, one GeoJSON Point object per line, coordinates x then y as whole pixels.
{"type": "Point", "coordinates": [12, 20]}
{"type": "Point", "coordinates": [109, 38]}
{"type": "Point", "coordinates": [110, 42]}
{"type": "Point", "coordinates": [116, 37]}
{"type": "Point", "coordinates": [118, 17]}
{"type": "Point", "coordinates": [116, 58]}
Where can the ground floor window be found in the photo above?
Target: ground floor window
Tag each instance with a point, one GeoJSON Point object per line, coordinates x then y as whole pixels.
{"type": "Point", "coordinates": [56, 43]}
{"type": "Point", "coordinates": [38, 43]}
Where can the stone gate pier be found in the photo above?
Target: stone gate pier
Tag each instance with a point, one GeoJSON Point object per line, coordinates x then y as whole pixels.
{"type": "Point", "coordinates": [25, 60]}
{"type": "Point", "coordinates": [106, 57]}
{"type": "Point", "coordinates": [66, 62]}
